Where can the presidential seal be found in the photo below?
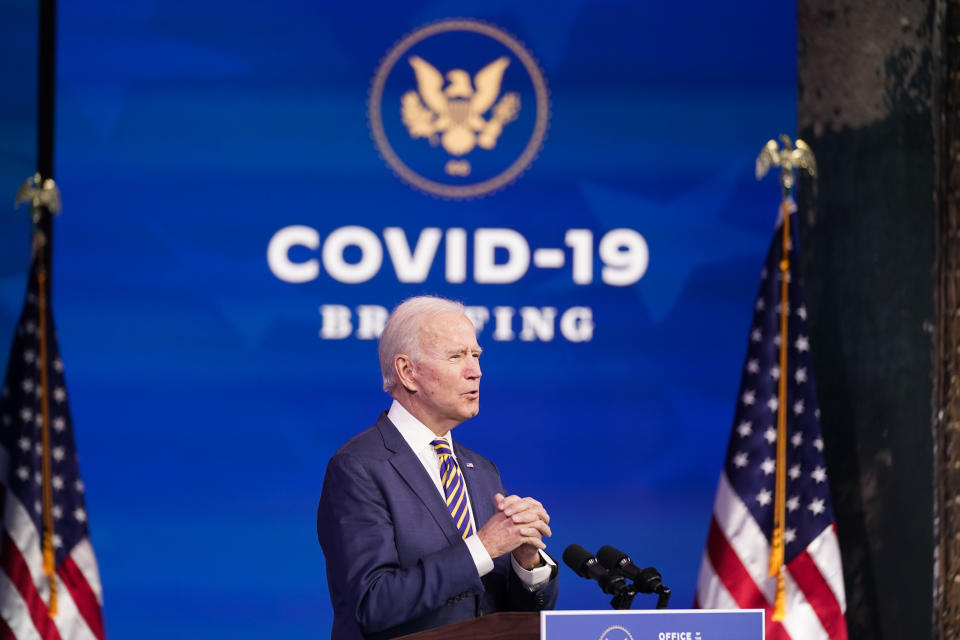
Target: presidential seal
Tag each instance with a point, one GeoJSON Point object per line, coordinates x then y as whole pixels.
{"type": "Point", "coordinates": [458, 108]}
{"type": "Point", "coordinates": [616, 632]}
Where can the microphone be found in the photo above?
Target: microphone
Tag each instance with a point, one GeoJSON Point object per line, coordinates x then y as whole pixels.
{"type": "Point", "coordinates": [644, 580]}
{"type": "Point", "coordinates": [586, 566]}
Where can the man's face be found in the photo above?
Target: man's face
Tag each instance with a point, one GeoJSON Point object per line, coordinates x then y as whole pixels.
{"type": "Point", "coordinates": [448, 373]}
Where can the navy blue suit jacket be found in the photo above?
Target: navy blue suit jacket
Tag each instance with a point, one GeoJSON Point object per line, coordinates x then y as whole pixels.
{"type": "Point", "coordinates": [395, 561]}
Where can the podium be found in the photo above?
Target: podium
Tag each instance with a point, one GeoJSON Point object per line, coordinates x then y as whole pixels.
{"type": "Point", "coordinates": [662, 624]}
{"type": "Point", "coordinates": [501, 626]}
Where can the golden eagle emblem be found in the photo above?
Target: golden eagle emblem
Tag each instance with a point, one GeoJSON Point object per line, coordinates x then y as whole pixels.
{"type": "Point", "coordinates": [788, 158]}
{"type": "Point", "coordinates": [451, 113]}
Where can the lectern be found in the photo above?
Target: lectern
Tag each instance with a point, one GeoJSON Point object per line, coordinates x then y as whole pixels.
{"type": "Point", "coordinates": [499, 626]}
{"type": "Point", "coordinates": [698, 624]}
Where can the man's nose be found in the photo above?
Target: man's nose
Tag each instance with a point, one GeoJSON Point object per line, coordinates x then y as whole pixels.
{"type": "Point", "coordinates": [473, 370]}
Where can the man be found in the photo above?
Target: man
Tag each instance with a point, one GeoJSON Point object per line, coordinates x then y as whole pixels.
{"type": "Point", "coordinates": [415, 529]}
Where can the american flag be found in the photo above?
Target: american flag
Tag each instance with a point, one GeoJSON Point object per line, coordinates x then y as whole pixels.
{"type": "Point", "coordinates": [735, 566]}
{"type": "Point", "coordinates": [25, 589]}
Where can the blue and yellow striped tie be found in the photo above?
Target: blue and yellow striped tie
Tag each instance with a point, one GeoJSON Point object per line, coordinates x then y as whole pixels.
{"type": "Point", "coordinates": [454, 488]}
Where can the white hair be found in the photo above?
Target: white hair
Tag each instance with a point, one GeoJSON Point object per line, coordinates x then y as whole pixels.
{"type": "Point", "coordinates": [402, 332]}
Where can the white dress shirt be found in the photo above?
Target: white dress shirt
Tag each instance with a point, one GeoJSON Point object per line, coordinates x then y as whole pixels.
{"type": "Point", "coordinates": [418, 436]}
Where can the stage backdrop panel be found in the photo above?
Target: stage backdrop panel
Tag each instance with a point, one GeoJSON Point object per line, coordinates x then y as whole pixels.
{"type": "Point", "coordinates": [248, 189]}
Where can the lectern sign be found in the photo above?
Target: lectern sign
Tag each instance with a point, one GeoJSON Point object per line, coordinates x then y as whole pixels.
{"type": "Point", "coordinates": [739, 624]}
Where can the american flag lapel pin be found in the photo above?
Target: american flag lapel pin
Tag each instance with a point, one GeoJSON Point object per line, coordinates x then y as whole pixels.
{"type": "Point", "coordinates": [468, 465]}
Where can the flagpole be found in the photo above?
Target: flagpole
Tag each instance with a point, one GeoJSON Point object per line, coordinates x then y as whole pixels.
{"type": "Point", "coordinates": [788, 159]}
{"type": "Point", "coordinates": [49, 557]}
{"type": "Point", "coordinates": [44, 198]}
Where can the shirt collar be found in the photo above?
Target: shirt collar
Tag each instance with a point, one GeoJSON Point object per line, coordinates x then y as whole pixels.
{"type": "Point", "coordinates": [417, 435]}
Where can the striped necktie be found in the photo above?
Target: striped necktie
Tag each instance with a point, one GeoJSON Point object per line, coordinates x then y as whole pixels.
{"type": "Point", "coordinates": [454, 488]}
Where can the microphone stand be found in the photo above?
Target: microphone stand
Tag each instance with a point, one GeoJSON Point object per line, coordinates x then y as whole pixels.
{"type": "Point", "coordinates": [624, 599]}
{"type": "Point", "coordinates": [663, 597]}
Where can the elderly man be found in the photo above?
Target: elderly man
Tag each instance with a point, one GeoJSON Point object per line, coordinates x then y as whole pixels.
{"type": "Point", "coordinates": [416, 529]}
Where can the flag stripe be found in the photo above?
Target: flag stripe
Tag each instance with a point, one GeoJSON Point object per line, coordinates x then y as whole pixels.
{"type": "Point", "coordinates": [738, 583]}
{"type": "Point", "coordinates": [20, 528]}
{"type": "Point", "coordinates": [83, 596]}
{"type": "Point", "coordinates": [71, 624]}
{"type": "Point", "coordinates": [733, 575]}
{"type": "Point", "coordinates": [6, 633]}
{"type": "Point", "coordinates": [750, 546]}
{"type": "Point", "coordinates": [710, 589]}
{"type": "Point", "coordinates": [16, 614]}
{"type": "Point", "coordinates": [16, 569]}
{"type": "Point", "coordinates": [825, 552]}
{"type": "Point", "coordinates": [744, 536]}
{"type": "Point", "coordinates": [818, 594]}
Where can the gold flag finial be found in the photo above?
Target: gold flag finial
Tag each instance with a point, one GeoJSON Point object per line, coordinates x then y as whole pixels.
{"type": "Point", "coordinates": [39, 193]}
{"type": "Point", "coordinates": [788, 158]}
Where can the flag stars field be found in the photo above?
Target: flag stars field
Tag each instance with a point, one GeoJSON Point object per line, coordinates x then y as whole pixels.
{"type": "Point", "coordinates": [764, 497]}
{"type": "Point", "coordinates": [745, 429]}
{"type": "Point", "coordinates": [770, 435]}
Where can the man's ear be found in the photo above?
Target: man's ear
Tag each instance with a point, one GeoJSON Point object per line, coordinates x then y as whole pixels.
{"type": "Point", "coordinates": [403, 367]}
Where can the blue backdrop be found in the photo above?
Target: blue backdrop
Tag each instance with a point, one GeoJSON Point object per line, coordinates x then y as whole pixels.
{"type": "Point", "coordinates": [211, 379]}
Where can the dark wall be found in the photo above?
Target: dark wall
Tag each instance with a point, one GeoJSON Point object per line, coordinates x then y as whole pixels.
{"type": "Point", "coordinates": [866, 106]}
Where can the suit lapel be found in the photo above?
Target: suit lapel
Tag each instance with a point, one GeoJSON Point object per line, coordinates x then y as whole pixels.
{"type": "Point", "coordinates": [408, 466]}
{"type": "Point", "coordinates": [481, 495]}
